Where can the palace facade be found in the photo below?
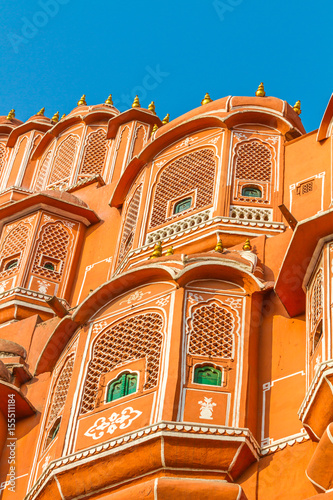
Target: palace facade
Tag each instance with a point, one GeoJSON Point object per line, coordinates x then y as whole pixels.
{"type": "Point", "coordinates": [166, 293]}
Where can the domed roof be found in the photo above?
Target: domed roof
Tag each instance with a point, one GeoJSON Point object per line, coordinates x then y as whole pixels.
{"type": "Point", "coordinates": [14, 122]}
{"type": "Point", "coordinates": [232, 104]}
{"type": "Point", "coordinates": [39, 118]}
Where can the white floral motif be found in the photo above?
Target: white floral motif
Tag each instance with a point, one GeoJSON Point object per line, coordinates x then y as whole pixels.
{"type": "Point", "coordinates": [70, 225]}
{"type": "Point", "coordinates": [194, 297]}
{"type": "Point", "coordinates": [3, 285]}
{"type": "Point", "coordinates": [47, 218]}
{"type": "Point", "coordinates": [43, 286]}
{"type": "Point", "coordinates": [135, 296]}
{"type": "Point", "coordinates": [109, 425]}
{"type": "Point", "coordinates": [163, 301]}
{"type": "Point", "coordinates": [214, 141]}
{"type": "Point", "coordinates": [160, 163]}
{"type": "Point", "coordinates": [206, 410]}
{"type": "Point", "coordinates": [187, 142]}
{"type": "Point", "coordinates": [235, 303]}
{"type": "Point", "coordinates": [240, 136]}
{"type": "Point", "coordinates": [98, 327]}
{"type": "Point", "coordinates": [273, 139]}
{"type": "Point", "coordinates": [318, 361]}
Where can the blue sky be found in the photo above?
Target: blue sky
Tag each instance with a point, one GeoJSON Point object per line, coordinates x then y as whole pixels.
{"type": "Point", "coordinates": [53, 51]}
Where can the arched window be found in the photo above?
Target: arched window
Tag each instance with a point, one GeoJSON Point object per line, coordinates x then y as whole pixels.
{"type": "Point", "coordinates": [123, 385]}
{"type": "Point", "coordinates": [52, 434]}
{"type": "Point", "coordinates": [11, 264]}
{"type": "Point", "coordinates": [252, 192]}
{"type": "Point", "coordinates": [137, 337]}
{"type": "Point", "coordinates": [194, 171]}
{"type": "Point", "coordinates": [207, 375]}
{"type": "Point", "coordinates": [49, 265]}
{"type": "Point", "coordinates": [182, 205]}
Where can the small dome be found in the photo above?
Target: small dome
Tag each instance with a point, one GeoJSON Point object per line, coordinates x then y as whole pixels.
{"type": "Point", "coordinates": [39, 118]}
{"type": "Point", "coordinates": [14, 122]}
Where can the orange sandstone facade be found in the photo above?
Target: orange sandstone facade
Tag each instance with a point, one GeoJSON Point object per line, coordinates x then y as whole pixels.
{"type": "Point", "coordinates": [166, 303]}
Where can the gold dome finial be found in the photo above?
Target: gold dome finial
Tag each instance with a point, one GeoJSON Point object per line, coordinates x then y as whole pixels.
{"type": "Point", "coordinates": [166, 119]}
{"type": "Point", "coordinates": [82, 101]}
{"type": "Point", "coordinates": [297, 107]}
{"type": "Point", "coordinates": [170, 251]}
{"type": "Point", "coordinates": [109, 100]}
{"type": "Point", "coordinates": [206, 99]}
{"type": "Point", "coordinates": [151, 107]}
{"type": "Point", "coordinates": [63, 116]}
{"type": "Point", "coordinates": [261, 91]}
{"type": "Point", "coordinates": [41, 112]}
{"type": "Point", "coordinates": [247, 245]}
{"type": "Point", "coordinates": [136, 102]}
{"type": "Point", "coordinates": [11, 114]}
{"type": "Point", "coordinates": [157, 251]}
{"type": "Point", "coordinates": [219, 246]}
{"type": "Point", "coordinates": [55, 117]}
{"type": "Point", "coordinates": [155, 127]}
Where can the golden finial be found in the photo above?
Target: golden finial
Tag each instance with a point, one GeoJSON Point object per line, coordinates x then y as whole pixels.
{"type": "Point", "coordinates": [109, 100]}
{"type": "Point", "coordinates": [169, 251]}
{"type": "Point", "coordinates": [63, 116]}
{"type": "Point", "coordinates": [166, 119]}
{"type": "Point", "coordinates": [41, 112]}
{"type": "Point", "coordinates": [11, 114]}
{"type": "Point", "coordinates": [136, 102]}
{"type": "Point", "coordinates": [82, 101]}
{"type": "Point", "coordinates": [247, 245]}
{"type": "Point", "coordinates": [151, 107]}
{"type": "Point", "coordinates": [155, 127]}
{"type": "Point", "coordinates": [157, 251]}
{"type": "Point", "coordinates": [297, 107]}
{"type": "Point", "coordinates": [219, 246]}
{"type": "Point", "coordinates": [206, 99]}
{"type": "Point", "coordinates": [261, 91]}
{"type": "Point", "coordinates": [55, 117]}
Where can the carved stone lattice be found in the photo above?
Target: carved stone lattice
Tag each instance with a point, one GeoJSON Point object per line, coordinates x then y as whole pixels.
{"type": "Point", "coordinates": [134, 338]}
{"type": "Point", "coordinates": [2, 158]}
{"type": "Point", "coordinates": [40, 179]}
{"type": "Point", "coordinates": [211, 332]}
{"type": "Point", "coordinates": [14, 245]}
{"type": "Point", "coordinates": [94, 154]}
{"type": "Point", "coordinates": [61, 390]}
{"type": "Point", "coordinates": [130, 222]}
{"type": "Point", "coordinates": [253, 161]}
{"type": "Point", "coordinates": [193, 171]}
{"type": "Point", "coordinates": [53, 243]}
{"type": "Point", "coordinates": [63, 161]}
{"type": "Point", "coordinates": [249, 213]}
{"type": "Point", "coordinates": [317, 299]}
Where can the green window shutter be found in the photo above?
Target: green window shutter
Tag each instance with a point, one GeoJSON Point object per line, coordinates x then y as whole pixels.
{"type": "Point", "coordinates": [207, 375]}
{"type": "Point", "coordinates": [131, 383]}
{"type": "Point", "coordinates": [182, 205]}
{"type": "Point", "coordinates": [125, 384]}
{"type": "Point", "coordinates": [251, 191]}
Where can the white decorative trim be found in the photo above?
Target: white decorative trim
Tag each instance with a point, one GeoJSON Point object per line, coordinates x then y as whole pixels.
{"type": "Point", "coordinates": [178, 227]}
{"type": "Point", "coordinates": [250, 213]}
{"type": "Point", "coordinates": [30, 293]}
